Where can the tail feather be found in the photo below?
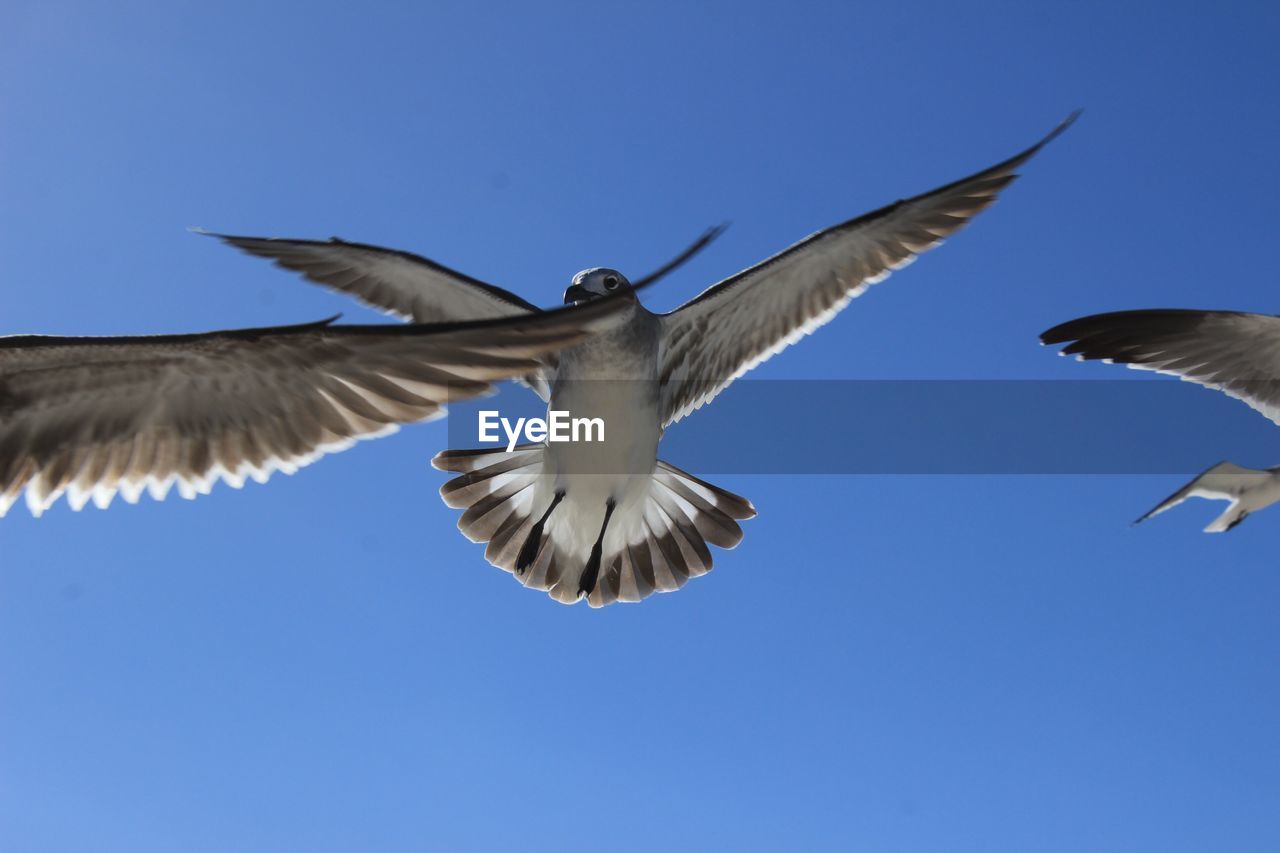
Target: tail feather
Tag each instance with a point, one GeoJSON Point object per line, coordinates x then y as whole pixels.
{"type": "Point", "coordinates": [461, 492]}
{"type": "Point", "coordinates": [544, 573]}
{"type": "Point", "coordinates": [680, 523]}
{"type": "Point", "coordinates": [483, 518]}
{"type": "Point", "coordinates": [636, 578]}
{"type": "Point", "coordinates": [717, 522]}
{"type": "Point", "coordinates": [735, 506]}
{"type": "Point", "coordinates": [504, 547]}
{"type": "Point", "coordinates": [654, 543]}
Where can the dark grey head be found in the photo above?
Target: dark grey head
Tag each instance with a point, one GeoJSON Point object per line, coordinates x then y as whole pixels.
{"type": "Point", "coordinates": [594, 283]}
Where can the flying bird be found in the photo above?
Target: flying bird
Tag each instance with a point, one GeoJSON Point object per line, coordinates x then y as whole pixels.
{"type": "Point", "coordinates": [610, 521]}
{"type": "Point", "coordinates": [1228, 351]}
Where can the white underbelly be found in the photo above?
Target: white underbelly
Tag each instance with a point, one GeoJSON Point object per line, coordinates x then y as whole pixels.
{"type": "Point", "coordinates": [628, 412]}
{"type": "Point", "coordinates": [613, 377]}
{"type": "Point", "coordinates": [618, 469]}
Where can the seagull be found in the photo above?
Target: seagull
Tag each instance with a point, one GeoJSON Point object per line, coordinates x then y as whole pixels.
{"type": "Point", "coordinates": [1229, 351]}
{"type": "Point", "coordinates": [609, 521]}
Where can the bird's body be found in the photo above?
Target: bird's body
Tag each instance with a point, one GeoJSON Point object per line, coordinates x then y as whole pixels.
{"type": "Point", "coordinates": [613, 377]}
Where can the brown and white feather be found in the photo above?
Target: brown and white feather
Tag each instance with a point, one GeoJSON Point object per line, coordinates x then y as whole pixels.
{"type": "Point", "coordinates": [657, 545]}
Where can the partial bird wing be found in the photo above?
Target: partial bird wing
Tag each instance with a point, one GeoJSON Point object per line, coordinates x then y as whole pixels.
{"type": "Point", "coordinates": [1235, 353]}
{"type": "Point", "coordinates": [747, 318]}
{"type": "Point", "coordinates": [95, 416]}
{"type": "Point", "coordinates": [403, 284]}
{"type": "Point", "coordinates": [1225, 481]}
{"type": "Point", "coordinates": [412, 287]}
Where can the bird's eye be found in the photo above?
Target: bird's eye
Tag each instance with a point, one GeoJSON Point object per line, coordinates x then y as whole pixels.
{"type": "Point", "coordinates": [610, 283]}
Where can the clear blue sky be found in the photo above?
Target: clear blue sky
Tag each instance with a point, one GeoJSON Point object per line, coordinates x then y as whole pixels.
{"type": "Point", "coordinates": [885, 663]}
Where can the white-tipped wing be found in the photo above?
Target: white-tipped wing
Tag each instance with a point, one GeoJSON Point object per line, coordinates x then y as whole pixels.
{"type": "Point", "coordinates": [736, 324]}
{"type": "Point", "coordinates": [400, 283]}
{"type": "Point", "coordinates": [95, 416]}
{"type": "Point", "coordinates": [1236, 353]}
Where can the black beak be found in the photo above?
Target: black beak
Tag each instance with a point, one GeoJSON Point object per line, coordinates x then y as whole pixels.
{"type": "Point", "coordinates": [576, 293]}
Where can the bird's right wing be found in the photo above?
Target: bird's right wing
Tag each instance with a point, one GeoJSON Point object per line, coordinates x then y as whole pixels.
{"type": "Point", "coordinates": [1232, 352]}
{"type": "Point", "coordinates": [399, 283]}
{"type": "Point", "coordinates": [95, 416]}
{"type": "Point", "coordinates": [733, 326]}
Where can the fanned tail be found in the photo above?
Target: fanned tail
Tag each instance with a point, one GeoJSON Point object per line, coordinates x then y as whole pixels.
{"type": "Point", "coordinates": [655, 539]}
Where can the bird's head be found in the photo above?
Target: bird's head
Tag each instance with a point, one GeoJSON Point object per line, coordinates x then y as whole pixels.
{"type": "Point", "coordinates": [594, 283]}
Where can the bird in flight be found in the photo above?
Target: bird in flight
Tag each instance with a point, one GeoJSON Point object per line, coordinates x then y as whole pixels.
{"type": "Point", "coordinates": [1229, 351]}
{"type": "Point", "coordinates": [610, 521]}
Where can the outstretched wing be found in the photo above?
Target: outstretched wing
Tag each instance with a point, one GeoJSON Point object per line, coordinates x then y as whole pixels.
{"type": "Point", "coordinates": [745, 319]}
{"type": "Point", "coordinates": [1235, 353]}
{"type": "Point", "coordinates": [403, 284]}
{"type": "Point", "coordinates": [95, 416]}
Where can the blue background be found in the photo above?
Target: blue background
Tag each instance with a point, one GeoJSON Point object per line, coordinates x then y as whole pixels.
{"type": "Point", "coordinates": [886, 662]}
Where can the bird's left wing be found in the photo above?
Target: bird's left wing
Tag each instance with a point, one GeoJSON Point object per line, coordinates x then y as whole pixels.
{"type": "Point", "coordinates": [741, 321]}
{"type": "Point", "coordinates": [402, 284]}
{"type": "Point", "coordinates": [95, 416]}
